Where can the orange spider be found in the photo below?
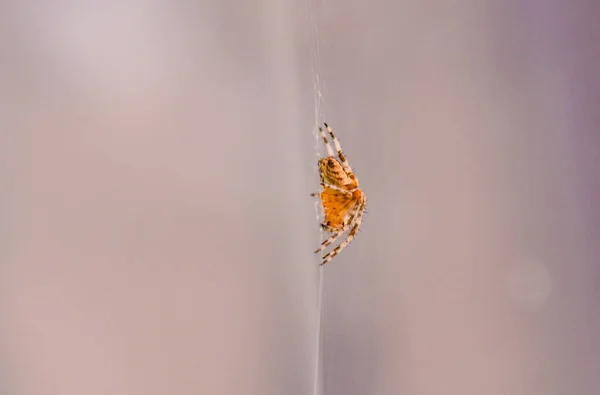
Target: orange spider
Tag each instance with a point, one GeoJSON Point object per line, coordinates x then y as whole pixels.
{"type": "Point", "coordinates": [342, 200]}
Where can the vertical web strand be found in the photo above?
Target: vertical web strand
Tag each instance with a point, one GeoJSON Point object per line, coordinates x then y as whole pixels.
{"type": "Point", "coordinates": [319, 116]}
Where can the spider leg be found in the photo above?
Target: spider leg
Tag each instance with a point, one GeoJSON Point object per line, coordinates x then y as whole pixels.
{"type": "Point", "coordinates": [335, 187]}
{"type": "Point", "coordinates": [331, 239]}
{"type": "Point", "coordinates": [327, 145]}
{"type": "Point", "coordinates": [338, 148]}
{"type": "Point", "coordinates": [348, 240]}
{"type": "Point", "coordinates": [339, 233]}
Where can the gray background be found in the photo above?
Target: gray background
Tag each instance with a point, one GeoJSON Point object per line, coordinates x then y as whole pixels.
{"type": "Point", "coordinates": [157, 230]}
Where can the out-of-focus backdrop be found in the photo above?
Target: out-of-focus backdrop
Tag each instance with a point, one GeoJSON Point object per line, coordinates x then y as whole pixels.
{"type": "Point", "coordinates": [156, 229]}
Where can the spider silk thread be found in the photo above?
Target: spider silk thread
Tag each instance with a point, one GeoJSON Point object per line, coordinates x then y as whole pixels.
{"type": "Point", "coordinates": [319, 116]}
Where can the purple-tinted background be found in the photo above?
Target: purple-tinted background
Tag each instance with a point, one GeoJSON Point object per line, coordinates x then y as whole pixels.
{"type": "Point", "coordinates": [156, 225]}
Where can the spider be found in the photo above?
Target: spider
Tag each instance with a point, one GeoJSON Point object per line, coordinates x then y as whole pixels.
{"type": "Point", "coordinates": [342, 200]}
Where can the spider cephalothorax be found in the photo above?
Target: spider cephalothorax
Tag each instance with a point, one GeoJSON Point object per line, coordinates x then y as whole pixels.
{"type": "Point", "coordinates": [342, 200]}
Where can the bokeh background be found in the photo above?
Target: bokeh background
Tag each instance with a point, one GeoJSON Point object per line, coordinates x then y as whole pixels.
{"type": "Point", "coordinates": [156, 229]}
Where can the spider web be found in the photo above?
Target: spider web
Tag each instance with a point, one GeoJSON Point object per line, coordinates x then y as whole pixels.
{"type": "Point", "coordinates": [319, 117]}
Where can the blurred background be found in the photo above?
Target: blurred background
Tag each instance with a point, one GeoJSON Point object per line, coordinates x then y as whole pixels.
{"type": "Point", "coordinates": [156, 228]}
